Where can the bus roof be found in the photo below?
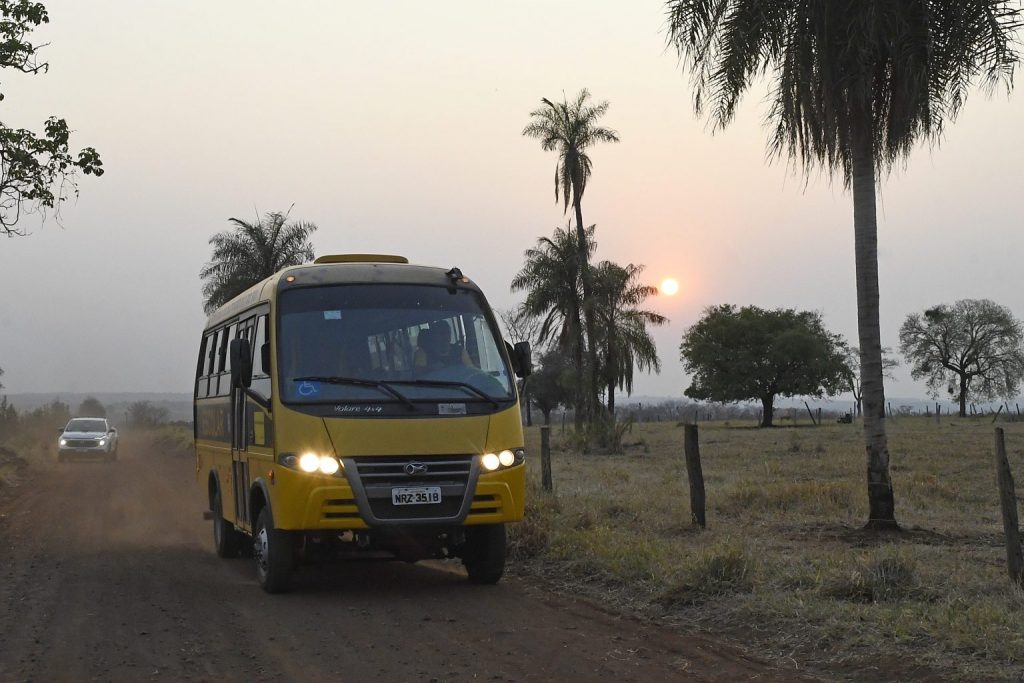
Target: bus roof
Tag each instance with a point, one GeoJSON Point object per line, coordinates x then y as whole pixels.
{"type": "Point", "coordinates": [334, 271]}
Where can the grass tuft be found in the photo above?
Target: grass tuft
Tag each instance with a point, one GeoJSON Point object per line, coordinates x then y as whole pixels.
{"type": "Point", "coordinates": [889, 576]}
{"type": "Point", "coordinates": [720, 569]}
{"type": "Point", "coordinates": [531, 537]}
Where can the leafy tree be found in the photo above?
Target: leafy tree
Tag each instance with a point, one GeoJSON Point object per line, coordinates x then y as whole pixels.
{"type": "Point", "coordinates": [855, 84]}
{"type": "Point", "coordinates": [8, 415]}
{"type": "Point", "coordinates": [974, 347]}
{"type": "Point", "coordinates": [36, 172]}
{"type": "Point", "coordinates": [571, 128]}
{"type": "Point", "coordinates": [852, 381]}
{"type": "Point", "coordinates": [740, 354]}
{"type": "Point", "coordinates": [552, 279]}
{"type": "Point", "coordinates": [252, 252]}
{"type": "Point", "coordinates": [145, 414]}
{"type": "Point", "coordinates": [553, 383]}
{"type": "Point", "coordinates": [623, 340]}
{"type": "Point", "coordinates": [55, 413]}
{"type": "Point", "coordinates": [8, 418]}
{"type": "Point", "coordinates": [91, 407]}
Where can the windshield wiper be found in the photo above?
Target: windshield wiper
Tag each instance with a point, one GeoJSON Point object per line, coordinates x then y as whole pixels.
{"type": "Point", "coordinates": [361, 382]}
{"type": "Point", "coordinates": [447, 383]}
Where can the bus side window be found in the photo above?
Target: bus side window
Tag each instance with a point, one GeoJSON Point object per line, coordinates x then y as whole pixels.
{"type": "Point", "coordinates": [212, 360]}
{"type": "Point", "coordinates": [260, 374]}
{"type": "Point", "coordinates": [202, 381]}
{"type": "Point", "coordinates": [224, 361]}
{"type": "Point", "coordinates": [260, 338]}
{"type": "Point", "coordinates": [222, 352]}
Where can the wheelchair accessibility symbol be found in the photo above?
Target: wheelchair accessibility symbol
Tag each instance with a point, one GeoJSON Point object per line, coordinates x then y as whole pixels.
{"type": "Point", "coordinates": [309, 389]}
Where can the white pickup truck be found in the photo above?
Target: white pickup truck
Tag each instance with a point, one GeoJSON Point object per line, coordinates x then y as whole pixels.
{"type": "Point", "coordinates": [87, 437]}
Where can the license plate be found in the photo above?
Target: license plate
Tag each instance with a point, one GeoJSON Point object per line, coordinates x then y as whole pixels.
{"type": "Point", "coordinates": [419, 495]}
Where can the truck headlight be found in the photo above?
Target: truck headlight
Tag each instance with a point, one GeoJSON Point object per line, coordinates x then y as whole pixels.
{"type": "Point", "coordinates": [103, 442]}
{"type": "Point", "coordinates": [63, 442]}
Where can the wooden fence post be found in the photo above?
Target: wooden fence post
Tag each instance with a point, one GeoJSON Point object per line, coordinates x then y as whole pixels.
{"type": "Point", "coordinates": [691, 450]}
{"type": "Point", "coordinates": [1008, 500]}
{"type": "Point", "coordinates": [545, 458]}
{"type": "Point", "coordinates": [810, 412]}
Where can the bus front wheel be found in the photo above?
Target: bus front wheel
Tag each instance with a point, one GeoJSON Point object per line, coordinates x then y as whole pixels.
{"type": "Point", "coordinates": [484, 553]}
{"type": "Point", "coordinates": [272, 549]}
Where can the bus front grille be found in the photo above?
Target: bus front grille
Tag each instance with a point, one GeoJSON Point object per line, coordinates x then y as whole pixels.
{"type": "Point", "coordinates": [377, 476]}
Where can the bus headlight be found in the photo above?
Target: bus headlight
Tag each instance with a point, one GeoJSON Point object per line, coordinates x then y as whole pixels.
{"type": "Point", "coordinates": [328, 465]}
{"type": "Point", "coordinates": [311, 462]}
{"type": "Point", "coordinates": [506, 458]}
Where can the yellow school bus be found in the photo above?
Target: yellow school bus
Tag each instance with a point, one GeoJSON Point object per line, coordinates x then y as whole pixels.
{"type": "Point", "coordinates": [360, 405]}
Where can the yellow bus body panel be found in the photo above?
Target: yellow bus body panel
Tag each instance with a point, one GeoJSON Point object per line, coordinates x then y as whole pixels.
{"type": "Point", "coordinates": [311, 502]}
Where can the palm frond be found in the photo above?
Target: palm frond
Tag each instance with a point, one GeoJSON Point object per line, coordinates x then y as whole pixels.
{"type": "Point", "coordinates": [253, 251]}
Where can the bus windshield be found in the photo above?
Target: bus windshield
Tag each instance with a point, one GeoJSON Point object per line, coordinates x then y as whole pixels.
{"type": "Point", "coordinates": [389, 343]}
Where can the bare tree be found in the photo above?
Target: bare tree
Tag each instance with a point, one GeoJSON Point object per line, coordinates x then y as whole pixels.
{"type": "Point", "coordinates": [521, 326]}
{"type": "Point", "coordinates": [853, 372]}
{"type": "Point", "coordinates": [973, 348]}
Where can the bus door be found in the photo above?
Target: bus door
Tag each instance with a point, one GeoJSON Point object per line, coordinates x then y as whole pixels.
{"type": "Point", "coordinates": [251, 426]}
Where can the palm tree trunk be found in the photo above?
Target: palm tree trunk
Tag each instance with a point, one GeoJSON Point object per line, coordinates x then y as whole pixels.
{"type": "Point", "coordinates": [881, 504]}
{"type": "Point", "coordinates": [589, 374]}
{"type": "Point", "coordinates": [611, 399]}
{"type": "Point", "coordinates": [579, 390]}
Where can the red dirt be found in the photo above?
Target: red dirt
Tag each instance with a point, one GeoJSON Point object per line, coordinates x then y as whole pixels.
{"type": "Point", "coordinates": [107, 573]}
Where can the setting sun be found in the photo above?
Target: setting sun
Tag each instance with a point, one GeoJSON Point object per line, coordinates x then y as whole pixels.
{"type": "Point", "coordinates": [669, 286]}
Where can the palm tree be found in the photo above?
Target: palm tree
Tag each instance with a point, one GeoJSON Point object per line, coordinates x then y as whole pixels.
{"type": "Point", "coordinates": [570, 128]}
{"type": "Point", "coordinates": [625, 344]}
{"type": "Point", "coordinates": [251, 252]}
{"type": "Point", "coordinates": [552, 279]}
{"type": "Point", "coordinates": [856, 83]}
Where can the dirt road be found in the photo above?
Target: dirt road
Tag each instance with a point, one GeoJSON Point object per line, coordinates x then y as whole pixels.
{"type": "Point", "coordinates": [107, 573]}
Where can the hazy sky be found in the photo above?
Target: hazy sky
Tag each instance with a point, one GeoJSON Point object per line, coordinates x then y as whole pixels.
{"type": "Point", "coordinates": [395, 126]}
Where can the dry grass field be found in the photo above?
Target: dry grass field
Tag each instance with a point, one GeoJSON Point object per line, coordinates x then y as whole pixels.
{"type": "Point", "coordinates": [783, 565]}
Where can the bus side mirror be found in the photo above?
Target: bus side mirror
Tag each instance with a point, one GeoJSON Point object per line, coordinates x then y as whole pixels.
{"type": "Point", "coordinates": [265, 357]}
{"type": "Point", "coordinates": [522, 359]}
{"type": "Point", "coordinates": [241, 363]}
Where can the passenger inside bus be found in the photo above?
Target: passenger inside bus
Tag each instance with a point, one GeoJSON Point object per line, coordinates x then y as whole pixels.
{"type": "Point", "coordinates": [435, 349]}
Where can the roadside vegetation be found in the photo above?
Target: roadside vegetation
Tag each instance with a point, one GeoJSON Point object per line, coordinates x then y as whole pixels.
{"type": "Point", "coordinates": [784, 566]}
{"type": "Point", "coordinates": [28, 438]}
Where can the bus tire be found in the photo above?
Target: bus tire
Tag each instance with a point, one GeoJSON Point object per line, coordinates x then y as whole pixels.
{"type": "Point", "coordinates": [484, 553]}
{"type": "Point", "coordinates": [273, 552]}
{"type": "Point", "coordinates": [227, 540]}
